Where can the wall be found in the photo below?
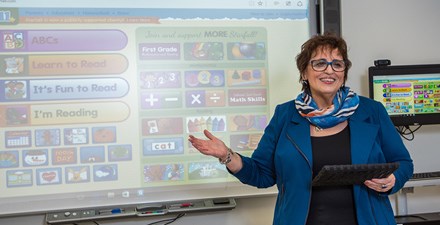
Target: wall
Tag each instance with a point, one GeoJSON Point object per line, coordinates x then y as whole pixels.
{"type": "Point", "coordinates": [404, 31]}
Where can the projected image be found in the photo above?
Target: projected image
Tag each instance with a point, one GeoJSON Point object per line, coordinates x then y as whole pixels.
{"type": "Point", "coordinates": [47, 137]}
{"type": "Point", "coordinates": [243, 50]}
{"type": "Point", "coordinates": [198, 95]}
{"type": "Point", "coordinates": [203, 51]}
{"type": "Point", "coordinates": [48, 176]}
{"type": "Point", "coordinates": [64, 156]}
{"type": "Point", "coordinates": [97, 100]}
{"type": "Point", "coordinates": [160, 79]}
{"type": "Point", "coordinates": [14, 65]}
{"type": "Point", "coordinates": [35, 158]}
{"type": "Point", "coordinates": [9, 159]}
{"type": "Point", "coordinates": [16, 115]}
{"type": "Point", "coordinates": [172, 102]}
{"type": "Point", "coordinates": [120, 153]}
{"type": "Point", "coordinates": [245, 142]}
{"type": "Point", "coordinates": [15, 90]}
{"type": "Point", "coordinates": [206, 170]}
{"type": "Point", "coordinates": [106, 172]}
{"type": "Point", "coordinates": [166, 172]}
{"type": "Point", "coordinates": [77, 174]}
{"type": "Point", "coordinates": [19, 178]}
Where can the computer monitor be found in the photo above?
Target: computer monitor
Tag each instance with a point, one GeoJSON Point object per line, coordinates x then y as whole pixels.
{"type": "Point", "coordinates": [410, 93]}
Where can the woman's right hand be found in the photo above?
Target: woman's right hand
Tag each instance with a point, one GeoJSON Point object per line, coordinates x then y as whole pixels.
{"type": "Point", "coordinates": [217, 148]}
{"type": "Point", "coordinates": [213, 146]}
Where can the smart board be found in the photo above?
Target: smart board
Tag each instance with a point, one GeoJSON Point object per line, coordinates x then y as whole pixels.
{"type": "Point", "coordinates": [98, 98]}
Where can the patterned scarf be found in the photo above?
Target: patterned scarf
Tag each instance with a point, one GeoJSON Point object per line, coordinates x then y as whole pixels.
{"type": "Point", "coordinates": [344, 105]}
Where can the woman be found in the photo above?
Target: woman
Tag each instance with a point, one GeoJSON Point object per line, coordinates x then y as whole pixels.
{"type": "Point", "coordinates": [326, 124]}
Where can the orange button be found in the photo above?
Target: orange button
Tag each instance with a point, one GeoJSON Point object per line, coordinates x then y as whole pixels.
{"type": "Point", "coordinates": [88, 64]}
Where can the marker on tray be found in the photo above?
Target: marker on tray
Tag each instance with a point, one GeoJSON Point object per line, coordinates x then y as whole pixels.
{"type": "Point", "coordinates": [152, 213]}
{"type": "Point", "coordinates": [111, 211]}
{"type": "Point", "coordinates": [181, 205]}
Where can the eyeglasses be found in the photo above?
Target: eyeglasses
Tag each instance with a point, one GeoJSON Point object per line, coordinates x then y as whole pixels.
{"type": "Point", "coordinates": [320, 65]}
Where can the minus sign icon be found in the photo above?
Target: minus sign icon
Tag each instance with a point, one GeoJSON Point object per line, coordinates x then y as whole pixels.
{"type": "Point", "coordinates": [171, 99]}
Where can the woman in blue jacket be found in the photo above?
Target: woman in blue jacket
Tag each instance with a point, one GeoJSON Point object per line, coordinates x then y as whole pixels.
{"type": "Point", "coordinates": [326, 124]}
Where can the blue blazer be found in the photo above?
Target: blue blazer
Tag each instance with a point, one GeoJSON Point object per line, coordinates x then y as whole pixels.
{"type": "Point", "coordinates": [284, 157]}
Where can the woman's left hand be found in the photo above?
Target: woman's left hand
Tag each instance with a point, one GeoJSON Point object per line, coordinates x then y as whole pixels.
{"type": "Point", "coordinates": [381, 185]}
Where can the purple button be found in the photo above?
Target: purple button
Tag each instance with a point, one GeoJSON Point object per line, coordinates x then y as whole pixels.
{"type": "Point", "coordinates": [398, 85]}
{"type": "Point", "coordinates": [76, 40]}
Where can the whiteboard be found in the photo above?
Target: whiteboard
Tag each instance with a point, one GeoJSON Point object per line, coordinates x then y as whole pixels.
{"type": "Point", "coordinates": [99, 99]}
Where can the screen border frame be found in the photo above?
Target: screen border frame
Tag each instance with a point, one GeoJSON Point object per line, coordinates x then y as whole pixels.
{"type": "Point", "coordinates": [405, 120]}
{"type": "Point", "coordinates": [225, 190]}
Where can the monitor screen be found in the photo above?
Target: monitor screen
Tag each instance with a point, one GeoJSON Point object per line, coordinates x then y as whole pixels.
{"type": "Point", "coordinates": [97, 98]}
{"type": "Point", "coordinates": [410, 93]}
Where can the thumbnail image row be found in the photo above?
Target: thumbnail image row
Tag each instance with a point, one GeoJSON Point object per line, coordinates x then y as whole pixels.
{"type": "Point", "coordinates": [194, 124]}
{"type": "Point", "coordinates": [201, 51]}
{"type": "Point", "coordinates": [109, 172]}
{"type": "Point", "coordinates": [54, 175]}
{"type": "Point", "coordinates": [165, 146]}
{"type": "Point", "coordinates": [65, 156]}
{"type": "Point", "coordinates": [202, 78]}
{"type": "Point", "coordinates": [54, 137]}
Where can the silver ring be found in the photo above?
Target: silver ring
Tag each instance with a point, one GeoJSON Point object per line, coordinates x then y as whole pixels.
{"type": "Point", "coordinates": [384, 186]}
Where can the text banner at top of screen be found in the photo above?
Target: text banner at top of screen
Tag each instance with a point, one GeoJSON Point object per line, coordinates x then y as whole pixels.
{"type": "Point", "coordinates": [178, 4]}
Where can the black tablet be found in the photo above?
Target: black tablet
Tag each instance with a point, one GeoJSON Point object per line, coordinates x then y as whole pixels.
{"type": "Point", "coordinates": [352, 174]}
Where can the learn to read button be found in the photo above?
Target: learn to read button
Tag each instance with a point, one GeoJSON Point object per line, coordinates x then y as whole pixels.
{"type": "Point", "coordinates": [79, 113]}
{"type": "Point", "coordinates": [75, 40]}
{"type": "Point", "coordinates": [77, 64]}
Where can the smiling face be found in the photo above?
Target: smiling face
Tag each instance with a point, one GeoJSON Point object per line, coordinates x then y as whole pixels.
{"type": "Point", "coordinates": [324, 85]}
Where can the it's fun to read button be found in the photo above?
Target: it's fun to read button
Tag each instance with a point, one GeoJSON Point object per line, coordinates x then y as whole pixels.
{"type": "Point", "coordinates": [92, 88]}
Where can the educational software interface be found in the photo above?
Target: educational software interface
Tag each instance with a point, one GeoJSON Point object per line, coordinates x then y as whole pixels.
{"type": "Point", "coordinates": [408, 94]}
{"type": "Point", "coordinates": [94, 99]}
